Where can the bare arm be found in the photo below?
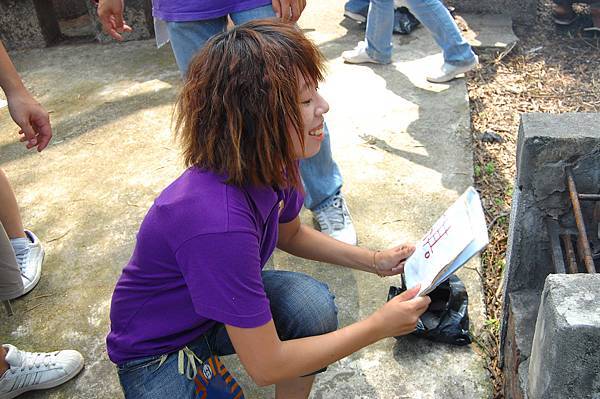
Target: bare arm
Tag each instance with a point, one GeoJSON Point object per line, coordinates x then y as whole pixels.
{"type": "Point", "coordinates": [305, 242]}
{"type": "Point", "coordinates": [31, 117]}
{"type": "Point", "coordinates": [269, 360]}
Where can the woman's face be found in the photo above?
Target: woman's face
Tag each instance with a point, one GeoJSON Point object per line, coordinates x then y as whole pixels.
{"type": "Point", "coordinates": [312, 109]}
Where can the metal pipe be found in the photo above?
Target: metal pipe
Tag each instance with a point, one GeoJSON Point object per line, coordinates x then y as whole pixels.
{"type": "Point", "coordinates": [569, 253]}
{"type": "Point", "coordinates": [588, 261]}
{"type": "Point", "coordinates": [589, 197]}
{"type": "Point", "coordinates": [552, 229]}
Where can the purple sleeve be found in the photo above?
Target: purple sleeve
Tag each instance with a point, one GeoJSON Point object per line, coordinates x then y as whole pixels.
{"type": "Point", "coordinates": [223, 274]}
{"type": "Point", "coordinates": [293, 202]}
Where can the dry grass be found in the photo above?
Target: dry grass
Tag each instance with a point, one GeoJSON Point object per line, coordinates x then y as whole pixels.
{"type": "Point", "coordinates": [550, 71]}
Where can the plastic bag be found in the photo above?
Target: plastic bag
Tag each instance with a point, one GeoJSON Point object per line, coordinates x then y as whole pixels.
{"type": "Point", "coordinates": [447, 318]}
{"type": "Point", "coordinates": [404, 21]}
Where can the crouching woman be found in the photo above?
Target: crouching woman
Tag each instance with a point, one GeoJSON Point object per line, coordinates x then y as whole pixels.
{"type": "Point", "coordinates": [195, 284]}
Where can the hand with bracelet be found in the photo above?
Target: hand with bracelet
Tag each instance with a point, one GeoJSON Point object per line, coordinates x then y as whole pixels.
{"type": "Point", "coordinates": [391, 261]}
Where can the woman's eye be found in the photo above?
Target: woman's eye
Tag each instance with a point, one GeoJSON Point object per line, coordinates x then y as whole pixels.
{"type": "Point", "coordinates": [306, 102]}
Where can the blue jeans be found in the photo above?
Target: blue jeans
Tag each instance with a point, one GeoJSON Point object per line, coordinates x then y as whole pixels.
{"type": "Point", "coordinates": [432, 14]}
{"type": "Point", "coordinates": [301, 307]}
{"type": "Point", "coordinates": [320, 174]}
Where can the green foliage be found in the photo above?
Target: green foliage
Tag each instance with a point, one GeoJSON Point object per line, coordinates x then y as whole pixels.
{"type": "Point", "coordinates": [493, 325]}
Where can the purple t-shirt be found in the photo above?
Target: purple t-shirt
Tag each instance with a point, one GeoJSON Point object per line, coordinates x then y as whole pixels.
{"type": "Point", "coordinates": [197, 10]}
{"type": "Point", "coordinates": [198, 260]}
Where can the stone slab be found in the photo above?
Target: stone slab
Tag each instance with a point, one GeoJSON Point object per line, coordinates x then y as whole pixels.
{"type": "Point", "coordinates": [546, 145]}
{"type": "Point", "coordinates": [522, 11]}
{"type": "Point", "coordinates": [565, 358]}
{"type": "Point", "coordinates": [548, 142]}
{"type": "Point", "coordinates": [489, 31]}
{"type": "Point", "coordinates": [28, 24]}
{"type": "Point", "coordinates": [69, 9]}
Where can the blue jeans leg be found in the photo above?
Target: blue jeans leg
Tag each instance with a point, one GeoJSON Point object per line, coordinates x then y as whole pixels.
{"type": "Point", "coordinates": [301, 307]}
{"type": "Point", "coordinates": [437, 19]}
{"type": "Point", "coordinates": [357, 6]}
{"type": "Point", "coordinates": [380, 25]}
{"type": "Point", "coordinates": [321, 176]}
{"type": "Point", "coordinates": [262, 12]}
{"type": "Point", "coordinates": [187, 38]}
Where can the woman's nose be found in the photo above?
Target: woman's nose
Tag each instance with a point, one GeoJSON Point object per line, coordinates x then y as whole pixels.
{"type": "Point", "coordinates": [322, 106]}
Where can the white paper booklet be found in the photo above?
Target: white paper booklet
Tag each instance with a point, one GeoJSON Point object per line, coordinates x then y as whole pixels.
{"type": "Point", "coordinates": [456, 237]}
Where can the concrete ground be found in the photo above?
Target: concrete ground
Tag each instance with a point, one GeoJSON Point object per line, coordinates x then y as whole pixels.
{"type": "Point", "coordinates": [403, 146]}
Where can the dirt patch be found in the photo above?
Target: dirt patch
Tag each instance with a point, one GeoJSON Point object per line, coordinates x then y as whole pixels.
{"type": "Point", "coordinates": [551, 70]}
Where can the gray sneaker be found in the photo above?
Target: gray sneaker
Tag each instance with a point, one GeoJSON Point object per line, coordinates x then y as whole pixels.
{"type": "Point", "coordinates": [30, 256]}
{"type": "Point", "coordinates": [336, 222]}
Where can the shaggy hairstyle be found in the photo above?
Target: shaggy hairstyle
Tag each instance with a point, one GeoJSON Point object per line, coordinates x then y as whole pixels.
{"type": "Point", "coordinates": [240, 96]}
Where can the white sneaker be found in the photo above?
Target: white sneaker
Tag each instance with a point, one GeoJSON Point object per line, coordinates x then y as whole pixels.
{"type": "Point", "coordinates": [30, 371]}
{"type": "Point", "coordinates": [447, 72]}
{"type": "Point", "coordinates": [336, 222]}
{"type": "Point", "coordinates": [355, 16]}
{"type": "Point", "coordinates": [358, 55]}
{"type": "Point", "coordinates": [29, 256]}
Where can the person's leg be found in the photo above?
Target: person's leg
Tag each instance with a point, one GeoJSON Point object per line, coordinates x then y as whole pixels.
{"type": "Point", "coordinates": [189, 37]}
{"type": "Point", "coordinates": [301, 307]}
{"type": "Point", "coordinates": [157, 377]}
{"type": "Point", "coordinates": [437, 19]}
{"type": "Point", "coordinates": [380, 25]}
{"type": "Point", "coordinates": [11, 282]}
{"type": "Point", "coordinates": [322, 184]}
{"type": "Point", "coordinates": [262, 12]}
{"type": "Point", "coordinates": [3, 364]}
{"type": "Point", "coordinates": [563, 13]}
{"type": "Point", "coordinates": [9, 210]}
{"type": "Point", "coordinates": [357, 10]}
{"type": "Point", "coordinates": [320, 174]}
{"type": "Point", "coordinates": [21, 256]}
{"type": "Point", "coordinates": [377, 47]}
{"type": "Point", "coordinates": [595, 13]}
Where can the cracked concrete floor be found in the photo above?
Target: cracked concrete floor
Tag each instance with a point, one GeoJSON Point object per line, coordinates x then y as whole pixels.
{"type": "Point", "coordinates": [402, 144]}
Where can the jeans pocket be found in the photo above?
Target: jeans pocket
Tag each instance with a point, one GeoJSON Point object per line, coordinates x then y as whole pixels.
{"type": "Point", "coordinates": [135, 365]}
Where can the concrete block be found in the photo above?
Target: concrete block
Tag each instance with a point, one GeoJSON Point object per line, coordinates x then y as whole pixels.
{"type": "Point", "coordinates": [528, 259]}
{"type": "Point", "coordinates": [489, 31]}
{"type": "Point", "coordinates": [548, 143]}
{"type": "Point", "coordinates": [137, 14]}
{"type": "Point", "coordinates": [69, 9]}
{"type": "Point", "coordinates": [523, 373]}
{"type": "Point", "coordinates": [28, 24]}
{"type": "Point", "coordinates": [522, 11]}
{"type": "Point", "coordinates": [522, 315]}
{"type": "Point", "coordinates": [565, 357]}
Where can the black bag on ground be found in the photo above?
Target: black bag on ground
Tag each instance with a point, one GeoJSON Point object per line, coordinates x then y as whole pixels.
{"type": "Point", "coordinates": [404, 21]}
{"type": "Point", "coordinates": [447, 318]}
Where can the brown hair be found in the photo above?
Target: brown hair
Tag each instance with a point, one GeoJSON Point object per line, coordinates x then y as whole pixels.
{"type": "Point", "coordinates": [241, 92]}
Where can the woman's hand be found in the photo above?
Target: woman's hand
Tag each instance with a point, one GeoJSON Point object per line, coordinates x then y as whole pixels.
{"type": "Point", "coordinates": [31, 117]}
{"type": "Point", "coordinates": [400, 315]}
{"type": "Point", "coordinates": [391, 261]}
